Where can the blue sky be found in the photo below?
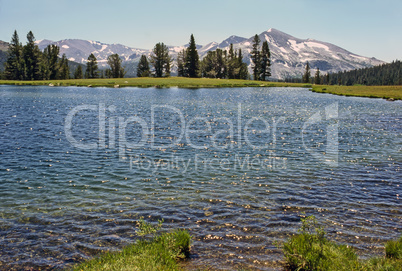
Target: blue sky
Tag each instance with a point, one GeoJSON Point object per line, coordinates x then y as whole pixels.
{"type": "Point", "coordinates": [367, 27]}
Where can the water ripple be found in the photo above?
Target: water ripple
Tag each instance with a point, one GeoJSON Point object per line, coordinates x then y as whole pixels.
{"type": "Point", "coordinates": [61, 204]}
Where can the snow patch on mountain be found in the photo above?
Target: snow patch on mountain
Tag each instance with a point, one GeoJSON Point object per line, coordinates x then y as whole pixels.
{"type": "Point", "coordinates": [316, 45]}
{"type": "Point", "coordinates": [296, 46]}
{"type": "Point", "coordinates": [209, 47]}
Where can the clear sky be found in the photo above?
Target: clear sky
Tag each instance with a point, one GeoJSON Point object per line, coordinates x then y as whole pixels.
{"type": "Point", "coordinates": [370, 28]}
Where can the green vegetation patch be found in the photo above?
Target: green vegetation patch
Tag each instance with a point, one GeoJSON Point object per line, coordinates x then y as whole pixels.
{"type": "Point", "coordinates": [154, 252]}
{"type": "Point", "coordinates": [385, 92]}
{"type": "Point", "coordinates": [145, 82]}
{"type": "Point", "coordinates": [311, 250]}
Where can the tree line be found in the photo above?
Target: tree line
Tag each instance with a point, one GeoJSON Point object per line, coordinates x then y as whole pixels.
{"type": "Point", "coordinates": [223, 64]}
{"type": "Point", "coordinates": [116, 70]}
{"type": "Point", "coordinates": [28, 62]}
{"type": "Point", "coordinates": [381, 75]}
{"type": "Point", "coordinates": [385, 74]}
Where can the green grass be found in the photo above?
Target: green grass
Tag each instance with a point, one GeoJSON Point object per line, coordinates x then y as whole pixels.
{"type": "Point", "coordinates": [156, 252]}
{"type": "Point", "coordinates": [385, 92]}
{"type": "Point", "coordinates": [393, 249]}
{"type": "Point", "coordinates": [311, 250]}
{"type": "Point", "coordinates": [145, 82]}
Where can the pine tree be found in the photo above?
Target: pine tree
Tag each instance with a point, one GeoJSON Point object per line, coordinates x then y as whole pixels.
{"type": "Point", "coordinates": [214, 64]}
{"type": "Point", "coordinates": [167, 65]}
{"type": "Point", "coordinates": [143, 67]}
{"type": "Point", "coordinates": [265, 62]}
{"type": "Point", "coordinates": [181, 62]}
{"type": "Point", "coordinates": [78, 73]}
{"type": "Point", "coordinates": [192, 59]}
{"type": "Point", "coordinates": [116, 69]}
{"type": "Point", "coordinates": [14, 68]}
{"type": "Point", "coordinates": [49, 65]}
{"type": "Point", "coordinates": [307, 74]}
{"type": "Point", "coordinates": [31, 57]}
{"type": "Point", "coordinates": [232, 63]}
{"type": "Point", "coordinates": [221, 63]}
{"type": "Point", "coordinates": [64, 70]}
{"type": "Point", "coordinates": [157, 59]}
{"type": "Point", "coordinates": [92, 67]}
{"type": "Point", "coordinates": [161, 60]}
{"type": "Point", "coordinates": [317, 78]}
{"type": "Point", "coordinates": [208, 65]}
{"type": "Point", "coordinates": [255, 57]}
{"type": "Point", "coordinates": [243, 70]}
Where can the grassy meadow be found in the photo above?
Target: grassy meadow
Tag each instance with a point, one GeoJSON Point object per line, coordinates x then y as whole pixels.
{"type": "Point", "coordinates": [385, 92]}
{"type": "Point", "coordinates": [145, 82]}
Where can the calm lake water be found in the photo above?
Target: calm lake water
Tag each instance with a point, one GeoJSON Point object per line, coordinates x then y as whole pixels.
{"type": "Point", "coordinates": [238, 168]}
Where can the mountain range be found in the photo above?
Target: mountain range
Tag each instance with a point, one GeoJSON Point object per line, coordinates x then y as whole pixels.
{"type": "Point", "coordinates": [289, 54]}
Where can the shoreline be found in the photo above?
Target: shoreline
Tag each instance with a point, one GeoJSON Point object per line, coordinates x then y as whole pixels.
{"type": "Point", "coordinates": [148, 82]}
{"type": "Point", "coordinates": [391, 93]}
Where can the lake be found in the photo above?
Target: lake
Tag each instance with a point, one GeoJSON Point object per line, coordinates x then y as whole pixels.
{"type": "Point", "coordinates": [236, 167]}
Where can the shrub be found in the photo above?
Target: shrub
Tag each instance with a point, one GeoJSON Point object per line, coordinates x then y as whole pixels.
{"type": "Point", "coordinates": [393, 249]}
{"type": "Point", "coordinates": [310, 250]}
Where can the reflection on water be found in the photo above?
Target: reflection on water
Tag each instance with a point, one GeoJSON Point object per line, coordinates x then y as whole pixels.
{"type": "Point", "coordinates": [237, 167]}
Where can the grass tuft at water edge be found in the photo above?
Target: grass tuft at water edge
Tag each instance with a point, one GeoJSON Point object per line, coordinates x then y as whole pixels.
{"type": "Point", "coordinates": [158, 251]}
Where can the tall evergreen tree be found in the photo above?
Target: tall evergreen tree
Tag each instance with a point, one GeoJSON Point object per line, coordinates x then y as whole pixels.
{"type": "Point", "coordinates": [243, 70]}
{"type": "Point", "coordinates": [221, 64]}
{"type": "Point", "coordinates": [265, 62]}
{"type": "Point", "coordinates": [317, 78]}
{"type": "Point", "coordinates": [307, 74]}
{"type": "Point", "coordinates": [181, 63]}
{"type": "Point", "coordinates": [78, 73]}
{"type": "Point", "coordinates": [214, 64]}
{"type": "Point", "coordinates": [143, 67]}
{"type": "Point", "coordinates": [116, 69]}
{"type": "Point", "coordinates": [161, 60]}
{"type": "Point", "coordinates": [14, 64]}
{"type": "Point", "coordinates": [31, 57]}
{"type": "Point", "coordinates": [256, 57]}
{"type": "Point", "coordinates": [167, 65]}
{"type": "Point", "coordinates": [232, 63]}
{"type": "Point", "coordinates": [64, 70]}
{"type": "Point", "coordinates": [50, 62]}
{"type": "Point", "coordinates": [192, 59]}
{"type": "Point", "coordinates": [92, 67]}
